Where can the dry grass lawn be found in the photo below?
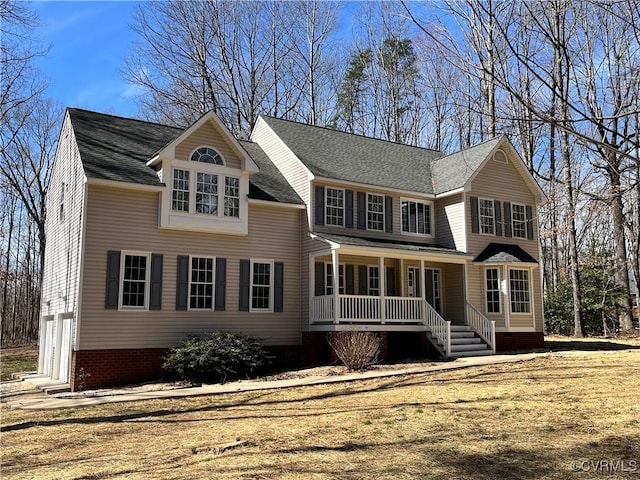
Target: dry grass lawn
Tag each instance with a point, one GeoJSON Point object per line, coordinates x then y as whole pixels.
{"type": "Point", "coordinates": [524, 420]}
{"type": "Point", "coordinates": [20, 359]}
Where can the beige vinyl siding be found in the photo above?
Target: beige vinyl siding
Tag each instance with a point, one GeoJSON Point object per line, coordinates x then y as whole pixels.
{"type": "Point", "coordinates": [61, 277]}
{"type": "Point", "coordinates": [503, 182]}
{"type": "Point", "coordinates": [450, 225]}
{"type": "Point", "coordinates": [355, 231]}
{"type": "Point", "coordinates": [476, 292]}
{"type": "Point", "coordinates": [283, 158]}
{"type": "Point", "coordinates": [207, 135]}
{"type": "Point", "coordinates": [127, 220]}
{"type": "Point", "coordinates": [453, 289]}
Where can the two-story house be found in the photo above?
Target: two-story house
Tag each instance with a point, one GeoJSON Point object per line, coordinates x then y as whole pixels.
{"type": "Point", "coordinates": [156, 232]}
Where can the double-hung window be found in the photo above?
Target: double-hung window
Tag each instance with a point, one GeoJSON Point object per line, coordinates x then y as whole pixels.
{"type": "Point", "coordinates": [334, 206]}
{"type": "Point", "coordinates": [519, 291]}
{"type": "Point", "coordinates": [134, 280]}
{"type": "Point", "coordinates": [329, 280]}
{"type": "Point", "coordinates": [416, 217]}
{"type": "Point", "coordinates": [375, 212]}
{"type": "Point", "coordinates": [201, 283]}
{"type": "Point", "coordinates": [231, 197]}
{"type": "Point", "coordinates": [207, 194]}
{"type": "Point", "coordinates": [492, 290]}
{"type": "Point", "coordinates": [374, 280]}
{"type": "Point", "coordinates": [518, 220]}
{"type": "Point", "coordinates": [486, 216]}
{"type": "Point", "coordinates": [261, 285]}
{"type": "Point", "coordinates": [180, 193]}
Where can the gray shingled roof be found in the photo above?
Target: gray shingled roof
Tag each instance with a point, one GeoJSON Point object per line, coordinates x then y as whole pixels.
{"type": "Point", "coordinates": [345, 156]}
{"type": "Point", "coordinates": [268, 183]}
{"type": "Point", "coordinates": [383, 243]}
{"type": "Point", "coordinates": [453, 171]}
{"type": "Point", "coordinates": [504, 253]}
{"type": "Point", "coordinates": [117, 148]}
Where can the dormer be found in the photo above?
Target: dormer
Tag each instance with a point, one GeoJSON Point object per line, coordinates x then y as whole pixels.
{"type": "Point", "coordinates": [206, 173]}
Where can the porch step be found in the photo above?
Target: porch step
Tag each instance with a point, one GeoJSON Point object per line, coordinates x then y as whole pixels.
{"type": "Point", "coordinates": [468, 347]}
{"type": "Point", "coordinates": [464, 340]}
{"type": "Point", "coordinates": [470, 353]}
{"type": "Point", "coordinates": [461, 334]}
{"type": "Point", "coordinates": [43, 383]}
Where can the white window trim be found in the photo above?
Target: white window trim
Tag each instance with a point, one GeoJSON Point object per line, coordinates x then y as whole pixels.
{"type": "Point", "coordinates": [493, 218]}
{"type": "Point", "coordinates": [221, 173]}
{"type": "Point", "coordinates": [224, 162]}
{"type": "Point", "coordinates": [213, 289]}
{"type": "Point", "coordinates": [431, 218]}
{"type": "Point", "coordinates": [384, 212]}
{"type": "Point", "coordinates": [344, 278]}
{"type": "Point", "coordinates": [486, 303]}
{"type": "Point", "coordinates": [529, 289]}
{"type": "Point", "coordinates": [524, 211]}
{"type": "Point", "coordinates": [147, 282]}
{"type": "Point", "coordinates": [369, 267]}
{"type": "Point", "coordinates": [326, 206]}
{"type": "Point", "coordinates": [271, 285]}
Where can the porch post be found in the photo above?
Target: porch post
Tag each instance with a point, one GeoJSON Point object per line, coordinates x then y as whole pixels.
{"type": "Point", "coordinates": [421, 279]}
{"type": "Point", "coordinates": [383, 285]}
{"type": "Point", "coordinates": [336, 286]}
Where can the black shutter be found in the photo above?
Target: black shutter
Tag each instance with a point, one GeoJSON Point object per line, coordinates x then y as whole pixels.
{"type": "Point", "coordinates": [155, 290]}
{"type": "Point", "coordinates": [348, 211]}
{"type": "Point", "coordinates": [113, 280]}
{"type": "Point", "coordinates": [391, 281]}
{"type": "Point", "coordinates": [362, 210]}
{"type": "Point", "coordinates": [319, 286]}
{"type": "Point", "coordinates": [507, 219]}
{"type": "Point", "coordinates": [245, 273]}
{"type": "Point", "coordinates": [278, 282]}
{"type": "Point", "coordinates": [388, 214]}
{"type": "Point", "coordinates": [363, 284]}
{"type": "Point", "coordinates": [221, 284]}
{"type": "Point", "coordinates": [475, 219]}
{"type": "Point", "coordinates": [349, 274]}
{"type": "Point", "coordinates": [497, 213]}
{"type": "Point", "coordinates": [529, 212]}
{"type": "Point", "coordinates": [319, 206]}
{"type": "Point", "coordinates": [182, 282]}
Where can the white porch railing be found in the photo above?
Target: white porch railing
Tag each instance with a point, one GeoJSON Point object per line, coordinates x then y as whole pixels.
{"type": "Point", "coordinates": [366, 309]}
{"type": "Point", "coordinates": [321, 309]}
{"type": "Point", "coordinates": [438, 326]}
{"type": "Point", "coordinates": [482, 325]}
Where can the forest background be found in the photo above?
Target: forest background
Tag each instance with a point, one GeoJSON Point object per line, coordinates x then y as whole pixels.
{"type": "Point", "coordinates": [561, 78]}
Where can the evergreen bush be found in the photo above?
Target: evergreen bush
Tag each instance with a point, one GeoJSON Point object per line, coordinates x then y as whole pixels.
{"type": "Point", "coordinates": [216, 357]}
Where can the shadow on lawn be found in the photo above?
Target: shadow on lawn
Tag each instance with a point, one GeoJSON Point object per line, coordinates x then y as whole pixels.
{"type": "Point", "coordinates": [586, 346]}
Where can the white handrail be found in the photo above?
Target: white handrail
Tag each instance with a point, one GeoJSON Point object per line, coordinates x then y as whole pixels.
{"type": "Point", "coordinates": [439, 327]}
{"type": "Point", "coordinates": [481, 325]}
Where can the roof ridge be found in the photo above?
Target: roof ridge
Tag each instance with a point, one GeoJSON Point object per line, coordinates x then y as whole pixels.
{"type": "Point", "coordinates": [124, 118]}
{"type": "Point", "coordinates": [497, 137]}
{"type": "Point", "coordinates": [329, 129]}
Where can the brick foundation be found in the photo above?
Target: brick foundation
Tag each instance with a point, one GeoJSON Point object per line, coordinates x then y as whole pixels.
{"type": "Point", "coordinates": [110, 368]}
{"type": "Point", "coordinates": [507, 341]}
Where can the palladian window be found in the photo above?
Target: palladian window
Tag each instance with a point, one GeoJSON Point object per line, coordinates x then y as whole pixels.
{"type": "Point", "coordinates": [207, 155]}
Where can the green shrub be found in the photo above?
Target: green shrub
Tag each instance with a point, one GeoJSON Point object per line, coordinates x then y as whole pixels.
{"type": "Point", "coordinates": [216, 357]}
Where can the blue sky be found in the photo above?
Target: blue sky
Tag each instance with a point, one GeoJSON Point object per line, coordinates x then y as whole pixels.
{"type": "Point", "coordinates": [89, 41]}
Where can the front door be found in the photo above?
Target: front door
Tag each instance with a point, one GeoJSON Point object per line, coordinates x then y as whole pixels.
{"type": "Point", "coordinates": [62, 362]}
{"type": "Point", "coordinates": [46, 349]}
{"type": "Point", "coordinates": [432, 286]}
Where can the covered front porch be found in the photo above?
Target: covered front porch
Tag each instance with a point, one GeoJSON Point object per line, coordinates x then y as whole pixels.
{"type": "Point", "coordinates": [381, 287]}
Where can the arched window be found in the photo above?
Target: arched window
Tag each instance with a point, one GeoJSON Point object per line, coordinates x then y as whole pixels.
{"type": "Point", "coordinates": [207, 155]}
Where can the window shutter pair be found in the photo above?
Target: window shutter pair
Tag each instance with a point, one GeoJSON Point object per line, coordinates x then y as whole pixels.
{"type": "Point", "coordinates": [497, 211]}
{"type": "Point", "coordinates": [320, 279]}
{"type": "Point", "coordinates": [348, 207]}
{"type": "Point", "coordinates": [362, 212]}
{"type": "Point", "coordinates": [245, 285]}
{"type": "Point", "coordinates": [182, 283]}
{"type": "Point", "coordinates": [528, 218]}
{"type": "Point", "coordinates": [112, 293]}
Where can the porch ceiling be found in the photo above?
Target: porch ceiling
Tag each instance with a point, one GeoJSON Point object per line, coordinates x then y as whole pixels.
{"type": "Point", "coordinates": [391, 248]}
